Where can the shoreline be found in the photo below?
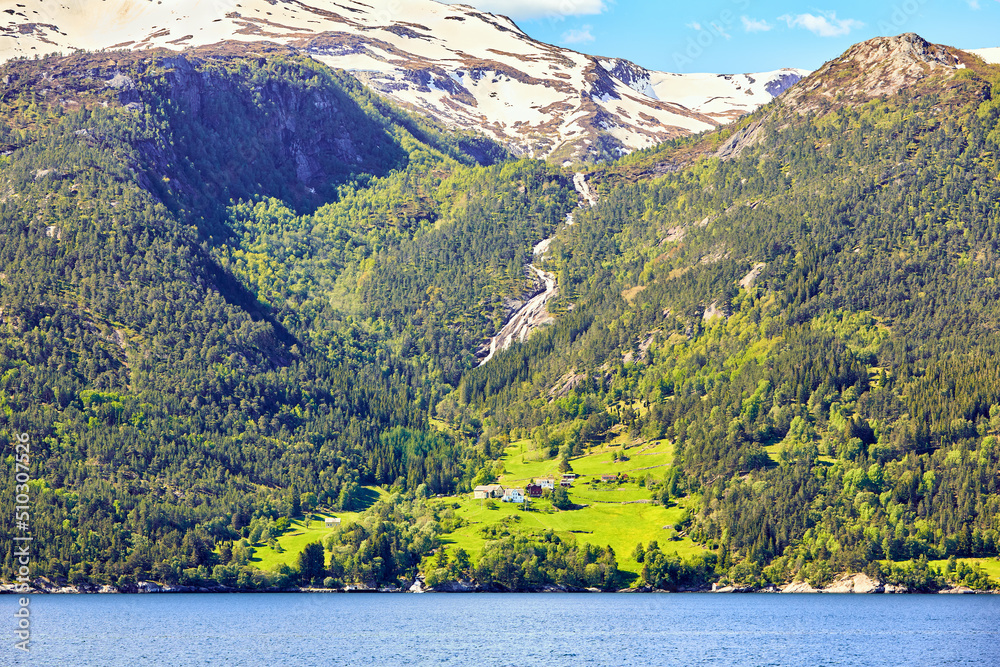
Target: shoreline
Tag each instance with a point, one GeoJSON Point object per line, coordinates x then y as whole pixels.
{"type": "Point", "coordinates": [857, 584]}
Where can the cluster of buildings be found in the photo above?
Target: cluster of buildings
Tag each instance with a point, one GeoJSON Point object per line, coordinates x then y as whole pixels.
{"type": "Point", "coordinates": [532, 490]}
{"type": "Point", "coordinates": [510, 495]}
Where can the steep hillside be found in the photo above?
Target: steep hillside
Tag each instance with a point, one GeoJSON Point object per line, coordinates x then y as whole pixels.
{"type": "Point", "coordinates": [177, 362]}
{"type": "Point", "coordinates": [769, 362]}
{"type": "Point", "coordinates": [810, 320]}
{"type": "Point", "coordinates": [885, 66]}
{"type": "Point", "coordinates": [470, 69]}
{"type": "Point", "coordinates": [878, 68]}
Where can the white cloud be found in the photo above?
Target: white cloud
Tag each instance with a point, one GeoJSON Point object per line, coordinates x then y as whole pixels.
{"type": "Point", "coordinates": [973, 3]}
{"type": "Point", "coordinates": [581, 36]}
{"type": "Point", "coordinates": [825, 25]}
{"type": "Point", "coordinates": [533, 9]}
{"type": "Point", "coordinates": [720, 30]}
{"type": "Point", "coordinates": [755, 25]}
{"type": "Point", "coordinates": [694, 26]}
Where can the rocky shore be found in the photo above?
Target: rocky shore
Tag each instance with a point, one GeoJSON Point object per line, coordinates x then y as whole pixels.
{"type": "Point", "coordinates": [848, 583]}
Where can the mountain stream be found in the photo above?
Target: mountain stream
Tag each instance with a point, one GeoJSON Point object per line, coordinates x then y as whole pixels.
{"type": "Point", "coordinates": [534, 313]}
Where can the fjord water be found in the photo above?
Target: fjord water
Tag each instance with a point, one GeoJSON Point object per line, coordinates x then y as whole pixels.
{"type": "Point", "coordinates": [512, 629]}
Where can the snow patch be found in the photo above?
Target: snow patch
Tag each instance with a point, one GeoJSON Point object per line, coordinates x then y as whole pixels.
{"type": "Point", "coordinates": [991, 55]}
{"type": "Point", "coordinates": [536, 98]}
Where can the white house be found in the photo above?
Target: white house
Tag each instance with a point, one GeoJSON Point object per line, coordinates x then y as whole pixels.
{"type": "Point", "coordinates": [332, 522]}
{"type": "Point", "coordinates": [513, 496]}
{"type": "Point", "coordinates": [546, 483]}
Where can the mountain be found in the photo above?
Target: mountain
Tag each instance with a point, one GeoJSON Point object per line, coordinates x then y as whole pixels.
{"type": "Point", "coordinates": [878, 68]}
{"type": "Point", "coordinates": [239, 289]}
{"type": "Point", "coordinates": [174, 180]}
{"type": "Point", "coordinates": [874, 69]}
{"type": "Point", "coordinates": [470, 69]}
{"type": "Point", "coordinates": [810, 321]}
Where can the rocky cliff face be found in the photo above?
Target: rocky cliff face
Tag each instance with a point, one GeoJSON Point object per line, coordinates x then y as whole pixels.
{"type": "Point", "coordinates": [470, 69]}
{"type": "Point", "coordinates": [261, 121]}
{"type": "Point", "coordinates": [287, 133]}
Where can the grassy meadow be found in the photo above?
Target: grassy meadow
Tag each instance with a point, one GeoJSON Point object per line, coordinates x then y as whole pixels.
{"type": "Point", "coordinates": [604, 514]}
{"type": "Point", "coordinates": [521, 464]}
{"type": "Point", "coordinates": [990, 565]}
{"type": "Point", "coordinates": [302, 532]}
{"type": "Point", "coordinates": [620, 526]}
{"type": "Point", "coordinates": [305, 531]}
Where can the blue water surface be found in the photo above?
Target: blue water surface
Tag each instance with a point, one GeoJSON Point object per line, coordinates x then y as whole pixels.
{"type": "Point", "coordinates": [508, 629]}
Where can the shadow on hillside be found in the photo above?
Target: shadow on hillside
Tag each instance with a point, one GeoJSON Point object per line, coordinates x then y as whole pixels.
{"type": "Point", "coordinates": [366, 498]}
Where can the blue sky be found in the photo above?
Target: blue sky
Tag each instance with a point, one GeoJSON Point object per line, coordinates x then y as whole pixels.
{"type": "Point", "coordinates": [728, 36]}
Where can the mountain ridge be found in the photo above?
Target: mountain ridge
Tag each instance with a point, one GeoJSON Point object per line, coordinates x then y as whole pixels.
{"type": "Point", "coordinates": [873, 69]}
{"type": "Point", "coordinates": [470, 69]}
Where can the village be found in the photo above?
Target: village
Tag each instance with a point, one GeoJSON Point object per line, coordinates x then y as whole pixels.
{"type": "Point", "coordinates": [537, 487]}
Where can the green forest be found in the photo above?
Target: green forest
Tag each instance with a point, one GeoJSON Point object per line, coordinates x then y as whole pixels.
{"type": "Point", "coordinates": [238, 290]}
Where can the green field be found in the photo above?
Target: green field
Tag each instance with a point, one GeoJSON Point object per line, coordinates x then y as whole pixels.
{"type": "Point", "coordinates": [523, 465]}
{"type": "Point", "coordinates": [303, 532]}
{"type": "Point", "coordinates": [990, 565]}
{"type": "Point", "coordinates": [586, 494]}
{"type": "Point", "coordinates": [615, 525]}
{"type": "Point", "coordinates": [295, 539]}
{"type": "Point", "coordinates": [616, 515]}
{"type": "Point", "coordinates": [606, 514]}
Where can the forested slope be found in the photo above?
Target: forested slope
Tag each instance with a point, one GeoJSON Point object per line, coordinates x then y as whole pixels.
{"type": "Point", "coordinates": [236, 287]}
{"type": "Point", "coordinates": [175, 359]}
{"type": "Point", "coordinates": [813, 323]}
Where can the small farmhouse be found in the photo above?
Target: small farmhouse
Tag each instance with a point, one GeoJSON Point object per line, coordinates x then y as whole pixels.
{"type": "Point", "coordinates": [533, 490]}
{"type": "Point", "coordinates": [566, 483]}
{"type": "Point", "coordinates": [547, 483]}
{"type": "Point", "coordinates": [513, 496]}
{"type": "Point", "coordinates": [332, 521]}
{"type": "Point", "coordinates": [488, 491]}
{"type": "Point", "coordinates": [609, 478]}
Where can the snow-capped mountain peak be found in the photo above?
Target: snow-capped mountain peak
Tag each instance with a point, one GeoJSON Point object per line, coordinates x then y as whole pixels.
{"type": "Point", "coordinates": [466, 67]}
